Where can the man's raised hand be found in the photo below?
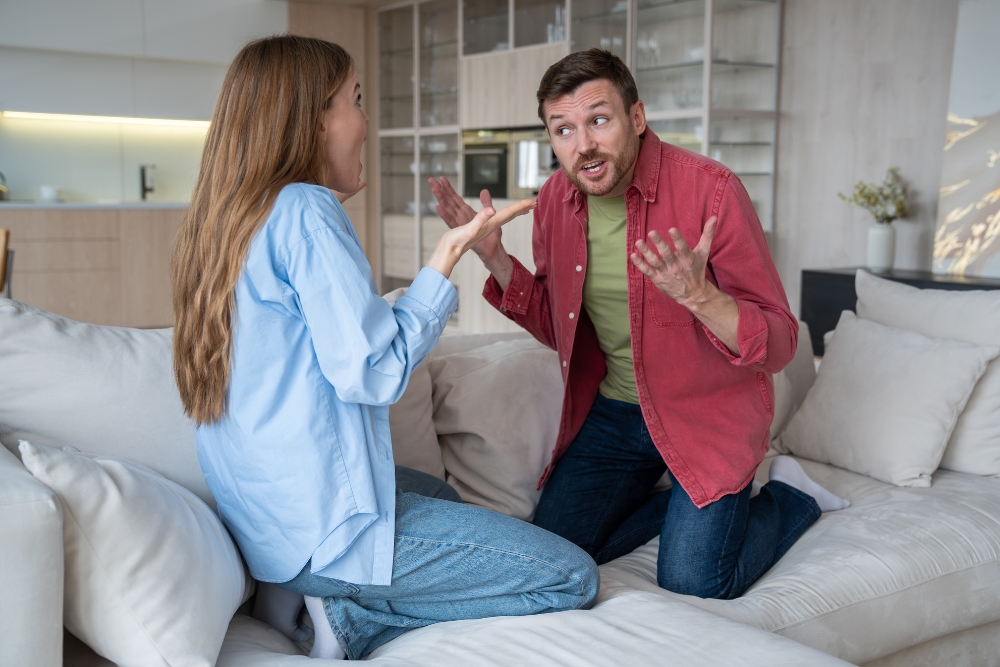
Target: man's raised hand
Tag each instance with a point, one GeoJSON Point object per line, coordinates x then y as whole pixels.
{"type": "Point", "coordinates": [680, 273]}
{"type": "Point", "coordinates": [455, 213]}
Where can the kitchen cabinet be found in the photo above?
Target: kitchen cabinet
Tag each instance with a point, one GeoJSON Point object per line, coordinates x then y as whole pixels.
{"type": "Point", "coordinates": [102, 265]}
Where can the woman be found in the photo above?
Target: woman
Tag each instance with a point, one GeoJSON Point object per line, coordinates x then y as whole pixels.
{"type": "Point", "coordinates": [287, 360]}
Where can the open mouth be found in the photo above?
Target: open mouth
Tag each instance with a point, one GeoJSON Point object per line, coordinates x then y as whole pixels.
{"type": "Point", "coordinates": [595, 167]}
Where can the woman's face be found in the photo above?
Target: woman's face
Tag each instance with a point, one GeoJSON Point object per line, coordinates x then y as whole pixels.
{"type": "Point", "coordinates": [342, 132]}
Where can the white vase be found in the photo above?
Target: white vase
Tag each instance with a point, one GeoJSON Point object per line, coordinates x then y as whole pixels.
{"type": "Point", "coordinates": [881, 247]}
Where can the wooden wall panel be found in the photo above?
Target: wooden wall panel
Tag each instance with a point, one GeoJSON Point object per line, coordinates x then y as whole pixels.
{"type": "Point", "coordinates": [864, 86]}
{"type": "Point", "coordinates": [498, 90]}
{"type": "Point", "coordinates": [147, 237]}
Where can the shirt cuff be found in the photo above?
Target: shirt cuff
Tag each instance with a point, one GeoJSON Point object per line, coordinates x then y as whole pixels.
{"type": "Point", "coordinates": [518, 294]}
{"type": "Point", "coordinates": [435, 292]}
{"type": "Point", "coordinates": [751, 336]}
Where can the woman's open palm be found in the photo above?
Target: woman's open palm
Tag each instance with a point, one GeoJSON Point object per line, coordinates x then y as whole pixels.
{"type": "Point", "coordinates": [483, 225]}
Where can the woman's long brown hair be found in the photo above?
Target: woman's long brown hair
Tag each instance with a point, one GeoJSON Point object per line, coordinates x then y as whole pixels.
{"type": "Point", "coordinates": [264, 135]}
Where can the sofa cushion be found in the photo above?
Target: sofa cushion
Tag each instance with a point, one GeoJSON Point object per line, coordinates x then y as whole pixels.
{"type": "Point", "coordinates": [624, 627]}
{"type": "Point", "coordinates": [901, 566]}
{"type": "Point", "coordinates": [152, 578]}
{"type": "Point", "coordinates": [972, 316]}
{"type": "Point", "coordinates": [496, 411]}
{"type": "Point", "coordinates": [885, 401]}
{"type": "Point", "coordinates": [411, 423]}
{"type": "Point", "coordinates": [104, 390]}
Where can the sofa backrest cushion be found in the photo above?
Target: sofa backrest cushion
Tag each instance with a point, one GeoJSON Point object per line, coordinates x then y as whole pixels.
{"type": "Point", "coordinates": [496, 411]}
{"type": "Point", "coordinates": [973, 317]}
{"type": "Point", "coordinates": [104, 390]}
{"type": "Point", "coordinates": [411, 423]}
{"type": "Point", "coordinates": [885, 401]}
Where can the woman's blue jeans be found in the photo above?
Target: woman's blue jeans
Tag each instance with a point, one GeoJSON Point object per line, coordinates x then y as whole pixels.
{"type": "Point", "coordinates": [452, 562]}
{"type": "Point", "coordinates": [599, 497]}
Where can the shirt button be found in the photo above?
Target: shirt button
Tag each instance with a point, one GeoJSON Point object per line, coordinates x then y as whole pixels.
{"type": "Point", "coordinates": [579, 268]}
{"type": "Point", "coordinates": [571, 316]}
{"type": "Point", "coordinates": [564, 364]}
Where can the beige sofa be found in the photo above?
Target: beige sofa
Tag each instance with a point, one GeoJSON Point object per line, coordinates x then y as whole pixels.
{"type": "Point", "coordinates": [903, 577]}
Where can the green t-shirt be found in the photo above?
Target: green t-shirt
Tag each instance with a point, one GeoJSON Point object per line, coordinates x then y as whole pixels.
{"type": "Point", "coordinates": [605, 294]}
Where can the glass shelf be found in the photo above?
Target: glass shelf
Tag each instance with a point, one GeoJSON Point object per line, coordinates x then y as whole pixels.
{"type": "Point", "coordinates": [395, 27]}
{"type": "Point", "coordinates": [485, 26]}
{"type": "Point", "coordinates": [539, 22]}
{"type": "Point", "coordinates": [717, 66]}
{"type": "Point", "coordinates": [600, 24]}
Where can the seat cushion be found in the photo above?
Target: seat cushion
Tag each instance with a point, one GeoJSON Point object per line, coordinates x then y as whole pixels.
{"type": "Point", "coordinates": [637, 627]}
{"type": "Point", "coordinates": [899, 567]}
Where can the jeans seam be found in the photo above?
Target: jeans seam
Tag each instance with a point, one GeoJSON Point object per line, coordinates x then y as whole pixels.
{"type": "Point", "coordinates": [339, 633]}
{"type": "Point", "coordinates": [488, 548]}
{"type": "Point", "coordinates": [729, 531]}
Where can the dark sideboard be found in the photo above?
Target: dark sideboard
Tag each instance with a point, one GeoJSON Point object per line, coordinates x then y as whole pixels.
{"type": "Point", "coordinates": [828, 292]}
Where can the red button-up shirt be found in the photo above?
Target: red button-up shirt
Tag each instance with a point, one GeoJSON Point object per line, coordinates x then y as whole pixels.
{"type": "Point", "coordinates": [708, 410]}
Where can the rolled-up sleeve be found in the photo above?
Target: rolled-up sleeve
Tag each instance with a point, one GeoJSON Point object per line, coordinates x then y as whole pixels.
{"type": "Point", "coordinates": [741, 264]}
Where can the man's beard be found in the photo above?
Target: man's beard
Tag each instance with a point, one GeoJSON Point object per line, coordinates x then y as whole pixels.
{"type": "Point", "coordinates": [618, 166]}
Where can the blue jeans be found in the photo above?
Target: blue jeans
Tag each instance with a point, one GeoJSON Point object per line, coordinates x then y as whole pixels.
{"type": "Point", "coordinates": [599, 497]}
{"type": "Point", "coordinates": [452, 562]}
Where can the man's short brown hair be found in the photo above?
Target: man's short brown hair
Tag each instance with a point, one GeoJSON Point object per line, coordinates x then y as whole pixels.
{"type": "Point", "coordinates": [578, 68]}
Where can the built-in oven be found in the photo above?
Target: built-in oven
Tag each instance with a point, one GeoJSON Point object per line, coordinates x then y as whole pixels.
{"type": "Point", "coordinates": [486, 156]}
{"type": "Point", "coordinates": [533, 162]}
{"type": "Point", "coordinates": [511, 164]}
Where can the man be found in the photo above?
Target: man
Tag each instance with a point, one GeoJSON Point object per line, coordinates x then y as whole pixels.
{"type": "Point", "coordinates": [667, 352]}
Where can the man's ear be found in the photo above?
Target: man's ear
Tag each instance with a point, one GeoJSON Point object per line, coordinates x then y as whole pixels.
{"type": "Point", "coordinates": [637, 114]}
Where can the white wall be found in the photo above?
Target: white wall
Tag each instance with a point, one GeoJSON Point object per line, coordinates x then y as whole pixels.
{"type": "Point", "coordinates": [147, 58]}
{"type": "Point", "coordinates": [864, 86]}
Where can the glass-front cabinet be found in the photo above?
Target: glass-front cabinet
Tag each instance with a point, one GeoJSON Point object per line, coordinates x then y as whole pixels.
{"type": "Point", "coordinates": [683, 48]}
{"type": "Point", "coordinates": [707, 71]}
{"type": "Point", "coordinates": [418, 130]}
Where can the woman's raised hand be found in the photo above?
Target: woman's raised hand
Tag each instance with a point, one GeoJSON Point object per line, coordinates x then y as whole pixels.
{"type": "Point", "coordinates": [461, 238]}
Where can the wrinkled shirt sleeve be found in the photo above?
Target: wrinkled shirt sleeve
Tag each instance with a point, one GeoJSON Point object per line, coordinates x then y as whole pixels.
{"type": "Point", "coordinates": [741, 263]}
{"type": "Point", "coordinates": [366, 349]}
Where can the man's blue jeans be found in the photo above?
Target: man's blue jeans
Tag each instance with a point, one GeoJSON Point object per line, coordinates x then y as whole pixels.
{"type": "Point", "coordinates": [599, 497]}
{"type": "Point", "coordinates": [451, 562]}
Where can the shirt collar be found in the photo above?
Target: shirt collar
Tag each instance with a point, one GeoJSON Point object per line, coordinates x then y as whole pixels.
{"type": "Point", "coordinates": [646, 174]}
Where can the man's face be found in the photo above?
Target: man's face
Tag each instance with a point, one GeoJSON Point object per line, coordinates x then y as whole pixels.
{"type": "Point", "coordinates": [595, 138]}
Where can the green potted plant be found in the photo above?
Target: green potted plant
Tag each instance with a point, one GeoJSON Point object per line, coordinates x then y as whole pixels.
{"type": "Point", "coordinates": [886, 202]}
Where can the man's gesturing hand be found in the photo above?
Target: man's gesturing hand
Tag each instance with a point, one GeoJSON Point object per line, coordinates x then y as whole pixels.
{"type": "Point", "coordinates": [680, 274]}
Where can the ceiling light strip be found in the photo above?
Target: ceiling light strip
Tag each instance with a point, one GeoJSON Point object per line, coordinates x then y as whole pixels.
{"type": "Point", "coordinates": [121, 120]}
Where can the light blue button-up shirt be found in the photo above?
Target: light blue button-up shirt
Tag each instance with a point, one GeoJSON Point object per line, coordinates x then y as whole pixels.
{"type": "Point", "coordinates": [301, 464]}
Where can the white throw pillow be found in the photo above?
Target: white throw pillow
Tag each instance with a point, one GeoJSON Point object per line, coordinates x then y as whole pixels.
{"type": "Point", "coordinates": [496, 412]}
{"type": "Point", "coordinates": [105, 390]}
{"type": "Point", "coordinates": [973, 317]}
{"type": "Point", "coordinates": [152, 576]}
{"type": "Point", "coordinates": [885, 401]}
{"type": "Point", "coordinates": [411, 423]}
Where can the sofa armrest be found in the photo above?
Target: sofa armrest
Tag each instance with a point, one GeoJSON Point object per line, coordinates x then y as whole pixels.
{"type": "Point", "coordinates": [31, 568]}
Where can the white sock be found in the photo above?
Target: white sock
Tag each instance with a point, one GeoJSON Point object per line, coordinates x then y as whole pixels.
{"type": "Point", "coordinates": [754, 489]}
{"type": "Point", "coordinates": [280, 609]}
{"type": "Point", "coordinates": [786, 469]}
{"type": "Point", "coordinates": [325, 644]}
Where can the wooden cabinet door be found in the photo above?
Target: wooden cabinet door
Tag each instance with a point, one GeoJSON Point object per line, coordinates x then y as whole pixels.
{"type": "Point", "coordinates": [147, 238]}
